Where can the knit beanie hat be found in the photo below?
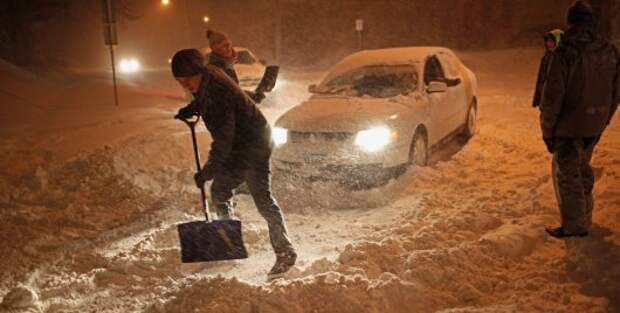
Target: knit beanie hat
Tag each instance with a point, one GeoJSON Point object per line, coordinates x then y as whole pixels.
{"type": "Point", "coordinates": [214, 37]}
{"type": "Point", "coordinates": [580, 13]}
{"type": "Point", "coordinates": [187, 62]}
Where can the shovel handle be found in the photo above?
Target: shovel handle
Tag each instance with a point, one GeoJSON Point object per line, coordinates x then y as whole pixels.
{"type": "Point", "coordinates": [192, 127]}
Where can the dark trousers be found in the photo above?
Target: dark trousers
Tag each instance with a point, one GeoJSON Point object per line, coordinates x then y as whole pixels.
{"type": "Point", "coordinates": [258, 178]}
{"type": "Point", "coordinates": [573, 181]}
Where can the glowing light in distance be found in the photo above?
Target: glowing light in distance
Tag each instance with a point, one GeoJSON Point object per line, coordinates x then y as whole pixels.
{"type": "Point", "coordinates": [129, 66]}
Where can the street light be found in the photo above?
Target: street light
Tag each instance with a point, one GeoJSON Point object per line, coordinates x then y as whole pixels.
{"type": "Point", "coordinates": [206, 19]}
{"type": "Point", "coordinates": [165, 2]}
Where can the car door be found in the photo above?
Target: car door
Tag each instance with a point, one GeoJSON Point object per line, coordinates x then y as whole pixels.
{"type": "Point", "coordinates": [439, 102]}
{"type": "Point", "coordinates": [457, 93]}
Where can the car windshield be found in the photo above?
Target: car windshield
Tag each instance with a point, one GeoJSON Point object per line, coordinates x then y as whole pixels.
{"type": "Point", "coordinates": [244, 57]}
{"type": "Point", "coordinates": [379, 81]}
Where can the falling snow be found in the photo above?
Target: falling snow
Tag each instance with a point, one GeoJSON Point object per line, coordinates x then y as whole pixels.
{"type": "Point", "coordinates": [90, 195]}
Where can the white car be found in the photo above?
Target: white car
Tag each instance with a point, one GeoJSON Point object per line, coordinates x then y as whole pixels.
{"type": "Point", "coordinates": [376, 112]}
{"type": "Point", "coordinates": [249, 68]}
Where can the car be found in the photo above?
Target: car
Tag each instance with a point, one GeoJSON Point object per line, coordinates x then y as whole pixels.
{"type": "Point", "coordinates": [375, 113]}
{"type": "Point", "coordinates": [249, 68]}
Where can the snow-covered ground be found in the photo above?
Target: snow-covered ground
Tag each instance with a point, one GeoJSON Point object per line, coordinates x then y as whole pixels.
{"type": "Point", "coordinates": [90, 195]}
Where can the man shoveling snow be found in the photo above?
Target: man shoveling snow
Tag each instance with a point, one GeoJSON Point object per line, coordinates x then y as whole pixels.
{"type": "Point", "coordinates": [241, 148]}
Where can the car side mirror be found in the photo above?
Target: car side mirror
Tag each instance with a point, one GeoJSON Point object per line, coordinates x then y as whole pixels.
{"type": "Point", "coordinates": [435, 87]}
{"type": "Point", "coordinates": [453, 82]}
{"type": "Point", "coordinates": [312, 88]}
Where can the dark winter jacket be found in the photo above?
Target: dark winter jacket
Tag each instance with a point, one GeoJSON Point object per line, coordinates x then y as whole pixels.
{"type": "Point", "coordinates": [223, 64]}
{"type": "Point", "coordinates": [542, 75]}
{"type": "Point", "coordinates": [581, 92]}
{"type": "Point", "coordinates": [556, 36]}
{"type": "Point", "coordinates": [229, 69]}
{"type": "Point", "coordinates": [240, 132]}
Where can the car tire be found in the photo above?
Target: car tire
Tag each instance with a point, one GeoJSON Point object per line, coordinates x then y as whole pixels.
{"type": "Point", "coordinates": [418, 153]}
{"type": "Point", "coordinates": [471, 124]}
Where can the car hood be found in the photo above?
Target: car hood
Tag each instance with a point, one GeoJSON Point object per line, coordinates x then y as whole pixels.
{"type": "Point", "coordinates": [340, 114]}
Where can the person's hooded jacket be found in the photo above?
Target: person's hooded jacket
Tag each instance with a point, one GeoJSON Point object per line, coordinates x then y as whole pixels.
{"type": "Point", "coordinates": [582, 88]}
{"type": "Point", "coordinates": [556, 36]}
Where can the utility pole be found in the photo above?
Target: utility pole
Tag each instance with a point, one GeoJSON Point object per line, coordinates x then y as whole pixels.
{"type": "Point", "coordinates": [359, 28]}
{"type": "Point", "coordinates": [110, 37]}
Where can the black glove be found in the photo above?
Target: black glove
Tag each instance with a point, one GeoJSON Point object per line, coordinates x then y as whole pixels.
{"type": "Point", "coordinates": [201, 178]}
{"type": "Point", "coordinates": [549, 142]}
{"type": "Point", "coordinates": [186, 112]}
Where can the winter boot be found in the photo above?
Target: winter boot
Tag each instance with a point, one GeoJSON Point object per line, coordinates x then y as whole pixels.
{"type": "Point", "coordinates": [284, 262]}
{"type": "Point", "coordinates": [560, 232]}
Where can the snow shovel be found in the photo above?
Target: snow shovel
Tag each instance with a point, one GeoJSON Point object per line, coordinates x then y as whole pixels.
{"type": "Point", "coordinates": [268, 82]}
{"type": "Point", "coordinates": [203, 241]}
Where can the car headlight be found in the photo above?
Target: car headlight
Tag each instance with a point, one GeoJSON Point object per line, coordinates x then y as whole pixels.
{"type": "Point", "coordinates": [373, 139]}
{"type": "Point", "coordinates": [279, 135]}
{"type": "Point", "coordinates": [129, 66]}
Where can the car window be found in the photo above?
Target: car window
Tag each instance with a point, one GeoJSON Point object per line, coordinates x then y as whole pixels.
{"type": "Point", "coordinates": [379, 81]}
{"type": "Point", "coordinates": [449, 64]}
{"type": "Point", "coordinates": [244, 57]}
{"type": "Point", "coordinates": [433, 71]}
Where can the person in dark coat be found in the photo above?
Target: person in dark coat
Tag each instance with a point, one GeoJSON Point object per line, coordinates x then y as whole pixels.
{"type": "Point", "coordinates": [241, 147]}
{"type": "Point", "coordinates": [580, 96]}
{"type": "Point", "coordinates": [552, 40]}
{"type": "Point", "coordinates": [224, 56]}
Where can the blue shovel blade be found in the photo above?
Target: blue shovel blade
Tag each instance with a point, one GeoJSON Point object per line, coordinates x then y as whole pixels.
{"type": "Point", "coordinates": [203, 241]}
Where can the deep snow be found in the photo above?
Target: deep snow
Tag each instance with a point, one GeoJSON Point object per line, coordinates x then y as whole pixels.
{"type": "Point", "coordinates": [90, 195]}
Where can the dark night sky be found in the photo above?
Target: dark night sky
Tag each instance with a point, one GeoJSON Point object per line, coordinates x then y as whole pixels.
{"type": "Point", "coordinates": [312, 32]}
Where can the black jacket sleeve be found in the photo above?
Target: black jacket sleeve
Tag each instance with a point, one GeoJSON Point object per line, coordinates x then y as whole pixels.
{"type": "Point", "coordinates": [553, 94]}
{"type": "Point", "coordinates": [223, 140]}
{"type": "Point", "coordinates": [232, 74]}
{"type": "Point", "coordinates": [540, 81]}
{"type": "Point", "coordinates": [229, 70]}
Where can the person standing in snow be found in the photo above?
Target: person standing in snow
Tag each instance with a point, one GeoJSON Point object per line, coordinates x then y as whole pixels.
{"type": "Point", "coordinates": [552, 40]}
{"type": "Point", "coordinates": [580, 96]}
{"type": "Point", "coordinates": [241, 148]}
{"type": "Point", "coordinates": [224, 56]}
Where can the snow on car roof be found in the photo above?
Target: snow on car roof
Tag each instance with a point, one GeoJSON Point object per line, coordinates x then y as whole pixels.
{"type": "Point", "coordinates": [391, 56]}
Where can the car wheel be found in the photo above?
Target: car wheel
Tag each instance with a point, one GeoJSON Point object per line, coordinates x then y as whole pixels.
{"type": "Point", "coordinates": [419, 149]}
{"type": "Point", "coordinates": [471, 124]}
